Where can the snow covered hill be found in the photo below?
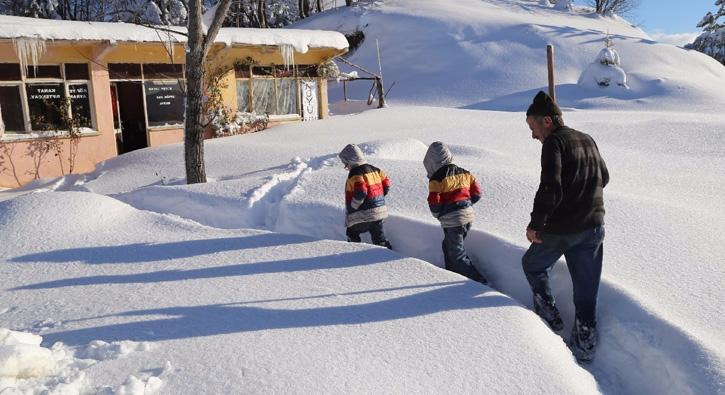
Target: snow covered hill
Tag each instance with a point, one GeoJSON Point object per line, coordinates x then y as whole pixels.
{"type": "Point", "coordinates": [491, 54]}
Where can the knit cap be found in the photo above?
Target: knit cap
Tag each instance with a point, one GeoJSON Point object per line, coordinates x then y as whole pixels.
{"type": "Point", "coordinates": [352, 156]}
{"type": "Point", "coordinates": [437, 156]}
{"type": "Point", "coordinates": [543, 105]}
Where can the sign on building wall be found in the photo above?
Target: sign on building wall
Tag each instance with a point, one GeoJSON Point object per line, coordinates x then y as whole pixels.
{"type": "Point", "coordinates": [310, 109]}
{"type": "Point", "coordinates": [164, 103]}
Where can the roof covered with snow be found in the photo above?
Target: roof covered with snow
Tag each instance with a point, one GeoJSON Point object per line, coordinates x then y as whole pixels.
{"type": "Point", "coordinates": [48, 29]}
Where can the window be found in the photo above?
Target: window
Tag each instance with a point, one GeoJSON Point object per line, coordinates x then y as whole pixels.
{"type": "Point", "coordinates": [124, 71]}
{"type": "Point", "coordinates": [11, 108]}
{"type": "Point", "coordinates": [274, 89]}
{"type": "Point", "coordinates": [41, 97]}
{"type": "Point", "coordinates": [45, 102]}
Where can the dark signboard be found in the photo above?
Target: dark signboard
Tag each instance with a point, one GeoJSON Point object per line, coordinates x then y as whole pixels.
{"type": "Point", "coordinates": [164, 103]}
{"type": "Point", "coordinates": [80, 104]}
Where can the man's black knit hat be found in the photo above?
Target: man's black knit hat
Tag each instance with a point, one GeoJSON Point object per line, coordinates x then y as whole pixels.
{"type": "Point", "coordinates": [543, 105]}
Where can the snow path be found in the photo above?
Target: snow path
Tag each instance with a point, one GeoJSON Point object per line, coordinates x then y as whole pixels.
{"type": "Point", "coordinates": [633, 338]}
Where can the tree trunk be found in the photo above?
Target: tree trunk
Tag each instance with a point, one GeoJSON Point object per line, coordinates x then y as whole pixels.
{"type": "Point", "coordinates": [198, 45]}
{"type": "Point", "coordinates": [319, 5]}
{"type": "Point", "coordinates": [262, 13]}
{"type": "Point", "coordinates": [348, 3]}
{"type": "Point", "coordinates": [193, 133]}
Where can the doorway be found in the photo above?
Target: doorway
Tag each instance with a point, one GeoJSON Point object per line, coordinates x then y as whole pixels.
{"type": "Point", "coordinates": [128, 115]}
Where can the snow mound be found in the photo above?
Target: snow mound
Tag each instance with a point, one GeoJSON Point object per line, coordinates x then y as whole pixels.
{"type": "Point", "coordinates": [27, 367]}
{"type": "Point", "coordinates": [492, 55]}
{"type": "Point", "coordinates": [400, 149]}
{"type": "Point", "coordinates": [22, 357]}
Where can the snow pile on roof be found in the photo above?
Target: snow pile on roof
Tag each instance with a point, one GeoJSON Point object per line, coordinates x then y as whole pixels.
{"type": "Point", "coordinates": [492, 55]}
{"type": "Point", "coordinates": [48, 29]}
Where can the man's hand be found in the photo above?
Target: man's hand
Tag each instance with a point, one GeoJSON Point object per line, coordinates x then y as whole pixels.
{"type": "Point", "coordinates": [533, 236]}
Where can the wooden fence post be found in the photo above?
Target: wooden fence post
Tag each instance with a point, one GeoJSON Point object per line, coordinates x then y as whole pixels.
{"type": "Point", "coordinates": [550, 65]}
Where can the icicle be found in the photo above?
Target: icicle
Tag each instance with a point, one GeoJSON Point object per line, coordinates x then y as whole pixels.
{"type": "Point", "coordinates": [29, 49]}
{"type": "Point", "coordinates": [288, 55]}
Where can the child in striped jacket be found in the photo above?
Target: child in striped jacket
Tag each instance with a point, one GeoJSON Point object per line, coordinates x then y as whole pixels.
{"type": "Point", "coordinates": [452, 193]}
{"type": "Point", "coordinates": [365, 192]}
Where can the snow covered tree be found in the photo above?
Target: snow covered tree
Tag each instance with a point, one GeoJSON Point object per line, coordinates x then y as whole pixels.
{"type": "Point", "coordinates": [606, 70]}
{"type": "Point", "coordinates": [712, 39]}
{"type": "Point", "coordinates": [609, 7]}
{"type": "Point", "coordinates": [563, 5]}
{"type": "Point", "coordinates": [31, 8]}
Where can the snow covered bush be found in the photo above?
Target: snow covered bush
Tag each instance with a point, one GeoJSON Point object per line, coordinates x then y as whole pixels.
{"type": "Point", "coordinates": [605, 71]}
{"type": "Point", "coordinates": [226, 124]}
{"type": "Point", "coordinates": [563, 5]}
{"type": "Point", "coordinates": [712, 39]}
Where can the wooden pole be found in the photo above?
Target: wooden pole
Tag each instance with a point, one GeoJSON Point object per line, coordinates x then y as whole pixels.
{"type": "Point", "coordinates": [344, 89]}
{"type": "Point", "coordinates": [381, 91]}
{"type": "Point", "coordinates": [550, 65]}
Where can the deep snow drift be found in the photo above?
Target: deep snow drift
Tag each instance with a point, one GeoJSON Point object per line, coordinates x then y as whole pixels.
{"type": "Point", "coordinates": [146, 302]}
{"type": "Point", "coordinates": [492, 55]}
{"type": "Point", "coordinates": [660, 304]}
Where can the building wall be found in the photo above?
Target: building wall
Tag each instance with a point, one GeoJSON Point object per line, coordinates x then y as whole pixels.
{"type": "Point", "coordinates": [93, 147]}
{"type": "Point", "coordinates": [100, 145]}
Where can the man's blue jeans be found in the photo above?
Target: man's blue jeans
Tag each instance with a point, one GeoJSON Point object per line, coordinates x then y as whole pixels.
{"type": "Point", "coordinates": [454, 252]}
{"type": "Point", "coordinates": [584, 252]}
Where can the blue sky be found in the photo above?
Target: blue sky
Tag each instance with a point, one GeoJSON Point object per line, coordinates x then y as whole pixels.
{"type": "Point", "coordinates": [673, 21]}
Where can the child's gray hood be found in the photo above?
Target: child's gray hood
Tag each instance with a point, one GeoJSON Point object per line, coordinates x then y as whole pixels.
{"type": "Point", "coordinates": [437, 156]}
{"type": "Point", "coordinates": [352, 156]}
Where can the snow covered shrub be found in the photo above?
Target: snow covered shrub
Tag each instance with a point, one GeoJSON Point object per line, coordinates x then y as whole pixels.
{"type": "Point", "coordinates": [712, 39]}
{"type": "Point", "coordinates": [227, 123]}
{"type": "Point", "coordinates": [328, 69]}
{"type": "Point", "coordinates": [605, 71]}
{"type": "Point", "coordinates": [563, 5]}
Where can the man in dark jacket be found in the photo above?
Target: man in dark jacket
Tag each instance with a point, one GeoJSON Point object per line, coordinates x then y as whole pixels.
{"type": "Point", "coordinates": [568, 219]}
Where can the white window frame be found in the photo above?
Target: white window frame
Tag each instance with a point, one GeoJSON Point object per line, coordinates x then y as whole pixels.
{"type": "Point", "coordinates": [25, 81]}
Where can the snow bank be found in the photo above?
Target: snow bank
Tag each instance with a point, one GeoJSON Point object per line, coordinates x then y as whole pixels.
{"type": "Point", "coordinates": [26, 367]}
{"type": "Point", "coordinates": [22, 357]}
{"type": "Point", "coordinates": [285, 313]}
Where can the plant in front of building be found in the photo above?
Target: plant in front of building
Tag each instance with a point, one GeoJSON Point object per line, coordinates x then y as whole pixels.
{"type": "Point", "coordinates": [7, 165]}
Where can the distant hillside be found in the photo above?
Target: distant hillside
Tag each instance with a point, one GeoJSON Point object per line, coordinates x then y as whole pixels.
{"type": "Point", "coordinates": [491, 54]}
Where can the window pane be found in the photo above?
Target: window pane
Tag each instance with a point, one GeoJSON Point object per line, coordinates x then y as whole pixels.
{"type": "Point", "coordinates": [243, 96]}
{"type": "Point", "coordinates": [242, 71]}
{"type": "Point", "coordinates": [163, 71]}
{"type": "Point", "coordinates": [287, 99]}
{"type": "Point", "coordinates": [45, 101]}
{"type": "Point", "coordinates": [11, 109]}
{"type": "Point", "coordinates": [264, 98]}
{"type": "Point", "coordinates": [80, 104]}
{"type": "Point", "coordinates": [262, 70]}
{"type": "Point", "coordinates": [76, 71]}
{"type": "Point", "coordinates": [124, 71]}
{"type": "Point", "coordinates": [307, 70]}
{"type": "Point", "coordinates": [164, 103]}
{"type": "Point", "coordinates": [44, 72]}
{"type": "Point", "coordinates": [282, 71]}
{"type": "Point", "coordinates": [10, 72]}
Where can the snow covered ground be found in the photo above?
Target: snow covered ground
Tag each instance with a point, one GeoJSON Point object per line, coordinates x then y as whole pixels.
{"type": "Point", "coordinates": [139, 283]}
